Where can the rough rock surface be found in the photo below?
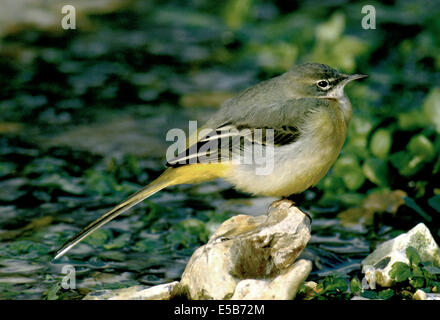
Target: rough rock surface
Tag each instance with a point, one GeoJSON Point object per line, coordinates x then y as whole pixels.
{"type": "Point", "coordinates": [246, 258]}
{"type": "Point", "coordinates": [377, 265]}
{"type": "Point", "coordinates": [245, 247]}
{"type": "Point", "coordinates": [282, 287]}
{"type": "Point", "coordinates": [421, 295]}
{"type": "Point", "coordinates": [160, 292]}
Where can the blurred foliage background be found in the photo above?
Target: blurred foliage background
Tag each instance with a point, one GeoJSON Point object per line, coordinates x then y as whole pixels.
{"type": "Point", "coordinates": [84, 114]}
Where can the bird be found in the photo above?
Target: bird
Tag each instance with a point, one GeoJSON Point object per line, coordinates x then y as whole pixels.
{"type": "Point", "coordinates": [298, 120]}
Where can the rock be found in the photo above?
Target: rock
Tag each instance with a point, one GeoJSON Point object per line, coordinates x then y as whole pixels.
{"type": "Point", "coordinates": [422, 295]}
{"type": "Point", "coordinates": [246, 258]}
{"type": "Point", "coordinates": [419, 295]}
{"type": "Point", "coordinates": [359, 298]}
{"type": "Point", "coordinates": [282, 287]}
{"type": "Point", "coordinates": [310, 289]}
{"type": "Point", "coordinates": [160, 292]}
{"type": "Point", "coordinates": [108, 294]}
{"type": "Point", "coordinates": [377, 265]}
{"type": "Point", "coordinates": [260, 248]}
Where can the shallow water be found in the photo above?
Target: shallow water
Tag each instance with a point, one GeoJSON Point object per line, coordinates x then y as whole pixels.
{"type": "Point", "coordinates": [149, 245]}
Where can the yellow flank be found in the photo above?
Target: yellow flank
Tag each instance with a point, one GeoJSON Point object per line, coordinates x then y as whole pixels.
{"type": "Point", "coordinates": [193, 173]}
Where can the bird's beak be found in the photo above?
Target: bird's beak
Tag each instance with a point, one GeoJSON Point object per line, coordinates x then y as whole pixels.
{"type": "Point", "coordinates": [351, 77]}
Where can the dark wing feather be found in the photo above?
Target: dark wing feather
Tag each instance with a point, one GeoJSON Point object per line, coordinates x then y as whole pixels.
{"type": "Point", "coordinates": [283, 135]}
{"type": "Point", "coordinates": [220, 144]}
{"type": "Point", "coordinates": [283, 117]}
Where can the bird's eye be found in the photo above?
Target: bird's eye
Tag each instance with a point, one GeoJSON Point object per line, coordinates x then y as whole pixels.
{"type": "Point", "coordinates": [323, 84]}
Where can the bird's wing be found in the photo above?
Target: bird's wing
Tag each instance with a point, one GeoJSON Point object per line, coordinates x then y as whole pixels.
{"type": "Point", "coordinates": [208, 148]}
{"type": "Point", "coordinates": [277, 125]}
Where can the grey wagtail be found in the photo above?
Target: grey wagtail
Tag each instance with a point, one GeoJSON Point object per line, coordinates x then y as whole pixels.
{"type": "Point", "coordinates": [305, 110]}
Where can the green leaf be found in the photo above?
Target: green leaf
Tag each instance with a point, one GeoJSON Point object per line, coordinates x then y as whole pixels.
{"type": "Point", "coordinates": [146, 245]}
{"type": "Point", "coordinates": [22, 247]}
{"type": "Point", "coordinates": [434, 202]}
{"type": "Point", "coordinates": [413, 256]}
{"type": "Point", "coordinates": [353, 180]}
{"type": "Point", "coordinates": [119, 242]}
{"type": "Point", "coordinates": [112, 255]}
{"type": "Point", "coordinates": [156, 211]}
{"type": "Point", "coordinates": [98, 238]}
{"type": "Point", "coordinates": [386, 294]}
{"type": "Point", "coordinates": [413, 205]}
{"type": "Point", "coordinates": [331, 29]}
{"type": "Point", "coordinates": [417, 272]}
{"type": "Point", "coordinates": [422, 147]}
{"type": "Point", "coordinates": [431, 107]}
{"type": "Point", "coordinates": [436, 166]}
{"type": "Point", "coordinates": [355, 286]}
{"type": "Point", "coordinates": [195, 227]}
{"type": "Point", "coordinates": [338, 284]}
{"type": "Point", "coordinates": [236, 12]}
{"type": "Point", "coordinates": [52, 293]}
{"type": "Point", "coordinates": [56, 181]}
{"type": "Point", "coordinates": [400, 272]}
{"type": "Point", "coordinates": [332, 286]}
{"type": "Point", "coordinates": [381, 143]}
{"type": "Point", "coordinates": [45, 165]}
{"type": "Point", "coordinates": [351, 198]}
{"type": "Point", "coordinates": [419, 150]}
{"type": "Point", "coordinates": [411, 120]}
{"type": "Point", "coordinates": [376, 170]}
{"type": "Point", "coordinates": [6, 168]}
{"type": "Point", "coordinates": [417, 282]}
{"type": "Point", "coordinates": [348, 168]}
{"type": "Point", "coordinates": [182, 238]}
{"type": "Point", "coordinates": [432, 270]}
{"type": "Point", "coordinates": [100, 182]}
{"type": "Point", "coordinates": [332, 183]}
{"type": "Point", "coordinates": [369, 294]}
{"type": "Point", "coordinates": [401, 161]}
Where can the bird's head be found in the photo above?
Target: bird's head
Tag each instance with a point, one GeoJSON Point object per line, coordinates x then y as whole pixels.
{"type": "Point", "coordinates": [319, 80]}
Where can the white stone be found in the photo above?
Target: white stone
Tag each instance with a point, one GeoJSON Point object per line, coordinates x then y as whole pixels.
{"type": "Point", "coordinates": [419, 295]}
{"type": "Point", "coordinates": [359, 298]}
{"type": "Point", "coordinates": [160, 292]}
{"type": "Point", "coordinates": [377, 265]}
{"type": "Point", "coordinates": [258, 248]}
{"type": "Point", "coordinates": [422, 295]}
{"type": "Point", "coordinates": [283, 287]}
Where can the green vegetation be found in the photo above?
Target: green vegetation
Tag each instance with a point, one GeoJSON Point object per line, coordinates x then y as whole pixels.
{"type": "Point", "coordinates": [408, 278]}
{"type": "Point", "coordinates": [84, 113]}
{"type": "Point", "coordinates": [417, 275]}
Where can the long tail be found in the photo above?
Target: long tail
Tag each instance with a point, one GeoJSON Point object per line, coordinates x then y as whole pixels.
{"type": "Point", "coordinates": [163, 181]}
